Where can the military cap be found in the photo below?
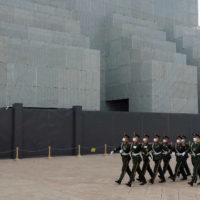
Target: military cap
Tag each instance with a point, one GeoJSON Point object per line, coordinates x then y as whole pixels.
{"type": "Point", "coordinates": [145, 135]}
{"type": "Point", "coordinates": [156, 135]}
{"type": "Point", "coordinates": [195, 135]}
{"type": "Point", "coordinates": [179, 136]}
{"type": "Point", "coordinates": [184, 137]}
{"type": "Point", "coordinates": [125, 135]}
{"type": "Point", "coordinates": [135, 134]}
{"type": "Point", "coordinates": [165, 136]}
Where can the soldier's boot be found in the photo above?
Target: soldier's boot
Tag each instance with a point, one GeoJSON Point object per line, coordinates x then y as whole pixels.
{"type": "Point", "coordinates": [139, 179]}
{"type": "Point", "coordinates": [119, 182]}
{"type": "Point", "coordinates": [151, 181]}
{"type": "Point", "coordinates": [184, 178]}
{"type": "Point", "coordinates": [198, 183]}
{"type": "Point", "coordinates": [143, 183]}
{"type": "Point", "coordinates": [190, 183]}
{"type": "Point", "coordinates": [162, 181]}
{"type": "Point", "coordinates": [128, 184]}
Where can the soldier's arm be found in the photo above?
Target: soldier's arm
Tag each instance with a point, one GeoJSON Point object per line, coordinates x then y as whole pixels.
{"type": "Point", "coordinates": [117, 149]}
{"type": "Point", "coordinates": [148, 150]}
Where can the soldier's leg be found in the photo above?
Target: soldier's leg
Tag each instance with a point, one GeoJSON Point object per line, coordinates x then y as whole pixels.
{"type": "Point", "coordinates": [161, 173]}
{"type": "Point", "coordinates": [141, 175]}
{"type": "Point", "coordinates": [124, 169]}
{"type": "Point", "coordinates": [155, 171]}
{"type": "Point", "coordinates": [143, 169]}
{"type": "Point", "coordinates": [187, 169]}
{"type": "Point", "coordinates": [144, 166]}
{"type": "Point", "coordinates": [177, 168]}
{"type": "Point", "coordinates": [128, 171]}
{"type": "Point", "coordinates": [170, 171]}
{"type": "Point", "coordinates": [133, 172]}
{"type": "Point", "coordinates": [182, 170]}
{"type": "Point", "coordinates": [195, 172]}
{"type": "Point", "coordinates": [150, 170]}
{"type": "Point", "coordinates": [166, 163]}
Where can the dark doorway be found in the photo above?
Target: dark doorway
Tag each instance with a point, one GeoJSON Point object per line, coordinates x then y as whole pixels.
{"type": "Point", "coordinates": [118, 105]}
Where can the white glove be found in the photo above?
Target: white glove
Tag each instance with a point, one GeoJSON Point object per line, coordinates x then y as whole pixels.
{"type": "Point", "coordinates": [121, 151]}
{"type": "Point", "coordinates": [173, 153]}
{"type": "Point", "coordinates": [183, 153]}
{"type": "Point", "coordinates": [111, 152]}
{"type": "Point", "coordinates": [149, 158]}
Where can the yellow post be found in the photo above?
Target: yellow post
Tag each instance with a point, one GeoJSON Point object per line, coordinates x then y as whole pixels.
{"type": "Point", "coordinates": [79, 151]}
{"type": "Point", "coordinates": [49, 152]}
{"type": "Point", "coordinates": [105, 150]}
{"type": "Point", "coordinates": [17, 154]}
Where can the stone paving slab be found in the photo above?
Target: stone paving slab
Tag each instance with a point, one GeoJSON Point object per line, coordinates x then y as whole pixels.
{"type": "Point", "coordinates": [90, 177]}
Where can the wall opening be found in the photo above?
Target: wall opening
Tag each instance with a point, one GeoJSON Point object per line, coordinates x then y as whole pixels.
{"type": "Point", "coordinates": [118, 105]}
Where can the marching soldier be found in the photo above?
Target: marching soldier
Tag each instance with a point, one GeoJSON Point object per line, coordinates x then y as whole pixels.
{"type": "Point", "coordinates": [156, 147]}
{"type": "Point", "coordinates": [188, 173]}
{"type": "Point", "coordinates": [195, 153]}
{"type": "Point", "coordinates": [146, 158]}
{"type": "Point", "coordinates": [167, 156]}
{"type": "Point", "coordinates": [136, 158]}
{"type": "Point", "coordinates": [179, 150]}
{"type": "Point", "coordinates": [124, 150]}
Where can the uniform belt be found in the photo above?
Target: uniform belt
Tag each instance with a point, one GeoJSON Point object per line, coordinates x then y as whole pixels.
{"type": "Point", "coordinates": [179, 154]}
{"type": "Point", "coordinates": [156, 153]}
{"type": "Point", "coordinates": [125, 154]}
{"type": "Point", "coordinates": [135, 154]}
{"type": "Point", "coordinates": [198, 154]}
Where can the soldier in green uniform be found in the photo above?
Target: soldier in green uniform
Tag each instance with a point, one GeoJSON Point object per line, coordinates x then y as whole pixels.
{"type": "Point", "coordinates": [195, 153]}
{"type": "Point", "coordinates": [167, 156]}
{"type": "Point", "coordinates": [146, 158]}
{"type": "Point", "coordinates": [179, 150]}
{"type": "Point", "coordinates": [136, 158]}
{"type": "Point", "coordinates": [124, 150]}
{"type": "Point", "coordinates": [156, 148]}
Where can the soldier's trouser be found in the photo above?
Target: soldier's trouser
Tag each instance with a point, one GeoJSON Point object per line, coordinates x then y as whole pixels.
{"type": "Point", "coordinates": [195, 172]}
{"type": "Point", "coordinates": [157, 168]}
{"type": "Point", "coordinates": [179, 166]}
{"type": "Point", "coordinates": [187, 169]}
{"type": "Point", "coordinates": [125, 169]}
{"type": "Point", "coordinates": [136, 168]}
{"type": "Point", "coordinates": [167, 167]}
{"type": "Point", "coordinates": [146, 167]}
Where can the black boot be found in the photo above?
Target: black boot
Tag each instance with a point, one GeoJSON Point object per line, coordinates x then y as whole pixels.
{"type": "Point", "coordinates": [138, 179]}
{"type": "Point", "coordinates": [190, 183]}
{"type": "Point", "coordinates": [198, 183]}
{"type": "Point", "coordinates": [151, 181]}
{"type": "Point", "coordinates": [183, 179]}
{"type": "Point", "coordinates": [143, 182]}
{"type": "Point", "coordinates": [119, 182]}
{"type": "Point", "coordinates": [162, 181]}
{"type": "Point", "coordinates": [128, 184]}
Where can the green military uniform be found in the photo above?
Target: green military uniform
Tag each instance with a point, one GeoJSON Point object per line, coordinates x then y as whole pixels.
{"type": "Point", "coordinates": [136, 158]}
{"type": "Point", "coordinates": [194, 149]}
{"type": "Point", "coordinates": [179, 149]}
{"type": "Point", "coordinates": [167, 157]}
{"type": "Point", "coordinates": [157, 149]}
{"type": "Point", "coordinates": [146, 160]}
{"type": "Point", "coordinates": [125, 159]}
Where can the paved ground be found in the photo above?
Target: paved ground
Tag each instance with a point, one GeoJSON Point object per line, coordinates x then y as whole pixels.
{"type": "Point", "coordinates": [86, 178]}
